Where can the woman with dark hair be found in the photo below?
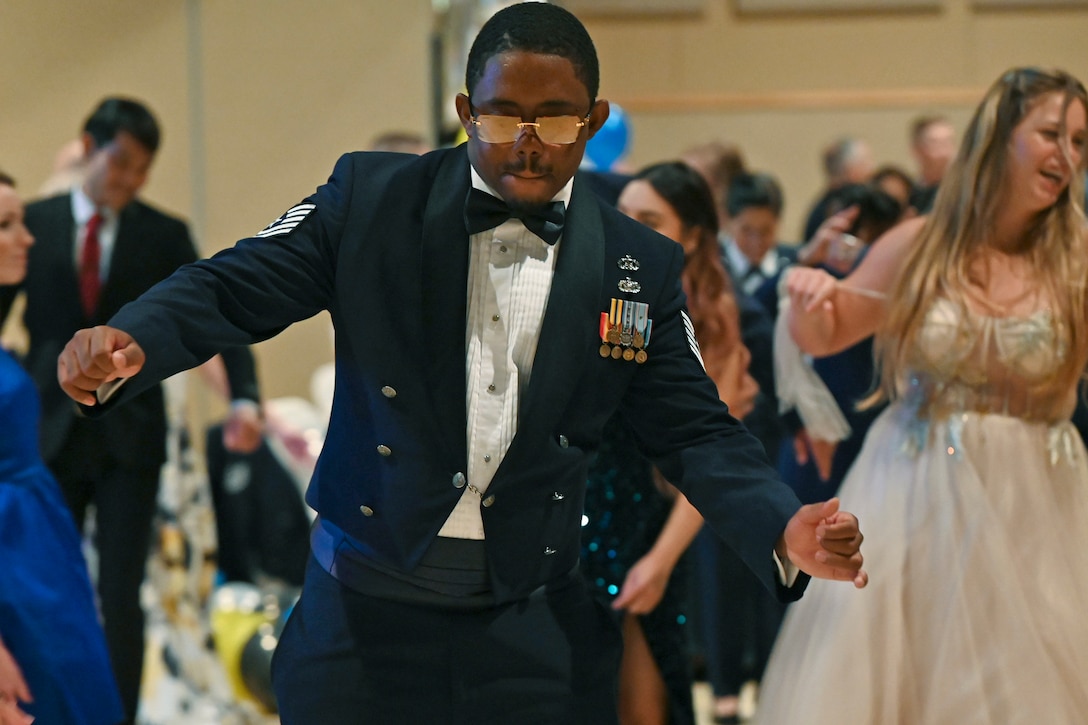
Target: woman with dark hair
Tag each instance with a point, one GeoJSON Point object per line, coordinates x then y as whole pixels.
{"type": "Point", "coordinates": [637, 526]}
{"type": "Point", "coordinates": [53, 661]}
{"type": "Point", "coordinates": [973, 477]}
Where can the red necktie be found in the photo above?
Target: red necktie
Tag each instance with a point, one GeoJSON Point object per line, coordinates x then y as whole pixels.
{"type": "Point", "coordinates": [89, 282]}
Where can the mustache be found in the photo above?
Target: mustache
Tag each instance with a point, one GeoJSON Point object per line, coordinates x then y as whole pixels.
{"type": "Point", "coordinates": [531, 165]}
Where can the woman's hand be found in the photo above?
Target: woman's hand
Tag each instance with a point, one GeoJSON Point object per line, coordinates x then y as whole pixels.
{"type": "Point", "coordinates": [820, 452]}
{"type": "Point", "coordinates": [817, 250]}
{"type": "Point", "coordinates": [13, 690]}
{"type": "Point", "coordinates": [644, 585]}
{"type": "Point", "coordinates": [810, 290]}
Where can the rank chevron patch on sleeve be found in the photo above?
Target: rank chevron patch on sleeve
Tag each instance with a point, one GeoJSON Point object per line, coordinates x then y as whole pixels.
{"type": "Point", "coordinates": [689, 331]}
{"type": "Point", "coordinates": [288, 221]}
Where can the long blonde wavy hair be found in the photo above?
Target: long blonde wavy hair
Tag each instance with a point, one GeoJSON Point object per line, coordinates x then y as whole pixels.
{"type": "Point", "coordinates": [971, 193]}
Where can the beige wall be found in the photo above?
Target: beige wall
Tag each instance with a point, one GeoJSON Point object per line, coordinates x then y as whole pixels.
{"type": "Point", "coordinates": [259, 97]}
{"type": "Point", "coordinates": [783, 86]}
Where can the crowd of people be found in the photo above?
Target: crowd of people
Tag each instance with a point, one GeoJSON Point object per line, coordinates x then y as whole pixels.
{"type": "Point", "coordinates": [551, 382]}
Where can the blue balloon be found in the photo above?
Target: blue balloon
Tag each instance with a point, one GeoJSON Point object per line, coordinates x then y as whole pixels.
{"type": "Point", "coordinates": [610, 143]}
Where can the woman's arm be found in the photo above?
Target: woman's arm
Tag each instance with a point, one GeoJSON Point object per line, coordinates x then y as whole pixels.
{"type": "Point", "coordinates": [646, 580]}
{"type": "Point", "coordinates": [827, 315]}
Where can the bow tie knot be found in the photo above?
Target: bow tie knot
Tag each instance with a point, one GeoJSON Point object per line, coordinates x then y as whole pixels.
{"type": "Point", "coordinates": [484, 211]}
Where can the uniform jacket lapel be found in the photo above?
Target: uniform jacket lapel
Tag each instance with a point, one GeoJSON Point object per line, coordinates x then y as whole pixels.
{"type": "Point", "coordinates": [569, 332]}
{"type": "Point", "coordinates": [444, 279]}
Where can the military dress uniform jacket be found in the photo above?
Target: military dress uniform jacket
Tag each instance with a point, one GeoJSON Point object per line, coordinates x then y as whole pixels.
{"type": "Point", "coordinates": [383, 247]}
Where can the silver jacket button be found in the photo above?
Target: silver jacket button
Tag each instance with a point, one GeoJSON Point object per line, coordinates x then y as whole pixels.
{"type": "Point", "coordinates": [459, 480]}
{"type": "Point", "coordinates": [563, 442]}
{"type": "Point", "coordinates": [385, 450]}
{"type": "Point", "coordinates": [367, 511]}
{"type": "Point", "coordinates": [488, 501]}
{"type": "Point", "coordinates": [389, 392]}
{"type": "Point", "coordinates": [557, 496]}
{"type": "Point", "coordinates": [548, 551]}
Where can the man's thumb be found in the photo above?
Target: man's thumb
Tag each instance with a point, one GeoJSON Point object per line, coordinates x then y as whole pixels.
{"type": "Point", "coordinates": [816, 512]}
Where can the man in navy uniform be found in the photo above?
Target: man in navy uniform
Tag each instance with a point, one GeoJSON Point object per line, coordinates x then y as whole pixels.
{"type": "Point", "coordinates": [491, 314]}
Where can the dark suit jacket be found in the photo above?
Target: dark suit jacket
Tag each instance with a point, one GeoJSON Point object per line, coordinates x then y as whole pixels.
{"type": "Point", "coordinates": [150, 245]}
{"type": "Point", "coordinates": [385, 250]}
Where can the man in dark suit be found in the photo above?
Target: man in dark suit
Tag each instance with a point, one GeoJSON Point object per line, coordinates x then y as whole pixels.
{"type": "Point", "coordinates": [491, 314]}
{"type": "Point", "coordinates": [99, 247]}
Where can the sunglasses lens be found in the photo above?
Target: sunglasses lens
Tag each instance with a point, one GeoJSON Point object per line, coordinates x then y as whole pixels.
{"type": "Point", "coordinates": [507, 129]}
{"type": "Point", "coordinates": [558, 129]}
{"type": "Point", "coordinates": [498, 129]}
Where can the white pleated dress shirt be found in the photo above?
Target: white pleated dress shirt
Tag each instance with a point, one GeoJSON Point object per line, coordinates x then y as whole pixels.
{"type": "Point", "coordinates": [509, 279]}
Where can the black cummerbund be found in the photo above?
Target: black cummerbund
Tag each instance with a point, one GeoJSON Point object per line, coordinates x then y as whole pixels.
{"type": "Point", "coordinates": [452, 574]}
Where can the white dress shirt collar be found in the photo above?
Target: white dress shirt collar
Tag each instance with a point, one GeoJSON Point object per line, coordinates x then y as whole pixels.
{"type": "Point", "coordinates": [478, 182]}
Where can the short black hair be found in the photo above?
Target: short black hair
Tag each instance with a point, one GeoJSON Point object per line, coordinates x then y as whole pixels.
{"type": "Point", "coordinates": [878, 211]}
{"type": "Point", "coordinates": [6, 180]}
{"type": "Point", "coordinates": [114, 115]}
{"type": "Point", "coordinates": [754, 190]}
{"type": "Point", "coordinates": [535, 27]}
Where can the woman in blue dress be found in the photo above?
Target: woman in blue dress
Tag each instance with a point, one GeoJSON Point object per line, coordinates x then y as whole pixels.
{"type": "Point", "coordinates": [53, 662]}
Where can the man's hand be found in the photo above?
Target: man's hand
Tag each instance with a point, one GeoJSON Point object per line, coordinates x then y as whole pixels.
{"type": "Point", "coordinates": [95, 356]}
{"type": "Point", "coordinates": [826, 543]}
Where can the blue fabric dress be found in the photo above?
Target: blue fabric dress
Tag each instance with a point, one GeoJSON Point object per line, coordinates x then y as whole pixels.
{"type": "Point", "coordinates": [47, 613]}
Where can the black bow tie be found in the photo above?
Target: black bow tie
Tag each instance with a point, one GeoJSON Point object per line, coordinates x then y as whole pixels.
{"type": "Point", "coordinates": [484, 211]}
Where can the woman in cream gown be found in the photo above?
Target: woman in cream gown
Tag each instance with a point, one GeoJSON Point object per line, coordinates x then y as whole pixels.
{"type": "Point", "coordinates": [973, 484]}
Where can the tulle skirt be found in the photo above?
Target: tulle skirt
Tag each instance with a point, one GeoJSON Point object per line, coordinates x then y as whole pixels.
{"type": "Point", "coordinates": [977, 607]}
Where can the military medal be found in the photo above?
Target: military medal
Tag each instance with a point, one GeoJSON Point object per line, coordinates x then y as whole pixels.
{"type": "Point", "coordinates": [625, 329]}
{"type": "Point", "coordinates": [605, 350]}
{"type": "Point", "coordinates": [643, 323]}
{"type": "Point", "coordinates": [613, 334]}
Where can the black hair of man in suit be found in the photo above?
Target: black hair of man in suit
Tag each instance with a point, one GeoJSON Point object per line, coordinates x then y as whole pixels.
{"type": "Point", "coordinates": [114, 115]}
{"type": "Point", "coordinates": [748, 190]}
{"type": "Point", "coordinates": [535, 28]}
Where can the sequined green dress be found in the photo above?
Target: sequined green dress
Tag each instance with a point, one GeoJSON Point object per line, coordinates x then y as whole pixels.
{"type": "Point", "coordinates": [624, 513]}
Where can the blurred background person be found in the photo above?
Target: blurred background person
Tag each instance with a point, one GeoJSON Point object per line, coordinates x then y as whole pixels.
{"type": "Point", "coordinates": [896, 183]}
{"type": "Point", "coordinates": [638, 525]}
{"type": "Point", "coordinates": [736, 618]}
{"type": "Point", "coordinates": [67, 169]}
{"type": "Point", "coordinates": [58, 670]}
{"type": "Point", "coordinates": [812, 465]}
{"type": "Point", "coordinates": [752, 252]}
{"type": "Point", "coordinates": [932, 146]}
{"type": "Point", "coordinates": [99, 247]}
{"type": "Point", "coordinates": [848, 160]}
{"type": "Point", "coordinates": [405, 142]}
{"type": "Point", "coordinates": [719, 163]}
